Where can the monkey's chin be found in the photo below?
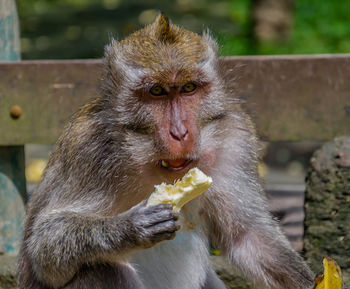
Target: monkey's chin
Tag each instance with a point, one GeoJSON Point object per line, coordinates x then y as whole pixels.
{"type": "Point", "coordinates": [178, 165]}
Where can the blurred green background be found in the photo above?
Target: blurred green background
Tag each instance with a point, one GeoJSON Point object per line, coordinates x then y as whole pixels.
{"type": "Point", "coordinates": [63, 29]}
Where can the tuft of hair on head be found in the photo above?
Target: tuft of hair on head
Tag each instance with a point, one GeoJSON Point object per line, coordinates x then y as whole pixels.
{"type": "Point", "coordinates": [162, 29]}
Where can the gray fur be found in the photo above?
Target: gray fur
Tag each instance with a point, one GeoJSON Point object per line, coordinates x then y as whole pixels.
{"type": "Point", "coordinates": [86, 224]}
{"type": "Point", "coordinates": [212, 281]}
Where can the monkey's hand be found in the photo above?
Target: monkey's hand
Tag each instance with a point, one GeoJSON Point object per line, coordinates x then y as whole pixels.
{"type": "Point", "coordinates": [62, 240]}
{"type": "Point", "coordinates": [151, 225]}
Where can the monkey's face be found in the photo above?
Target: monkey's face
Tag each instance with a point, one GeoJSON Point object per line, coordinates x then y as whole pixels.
{"type": "Point", "coordinates": [174, 103]}
{"type": "Point", "coordinates": [169, 101]}
{"type": "Point", "coordinates": [170, 124]}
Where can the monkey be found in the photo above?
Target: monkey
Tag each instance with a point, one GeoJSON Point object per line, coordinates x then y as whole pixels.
{"type": "Point", "coordinates": [162, 108]}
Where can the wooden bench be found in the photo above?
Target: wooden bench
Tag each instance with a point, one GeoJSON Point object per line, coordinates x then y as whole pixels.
{"type": "Point", "coordinates": [291, 98]}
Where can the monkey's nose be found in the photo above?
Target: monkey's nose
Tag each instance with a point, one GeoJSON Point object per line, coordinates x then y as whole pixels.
{"type": "Point", "coordinates": [178, 133]}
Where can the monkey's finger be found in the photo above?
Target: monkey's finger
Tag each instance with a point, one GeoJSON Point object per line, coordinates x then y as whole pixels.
{"type": "Point", "coordinates": [159, 207]}
{"type": "Point", "coordinates": [163, 236]}
{"type": "Point", "coordinates": [156, 238]}
{"type": "Point", "coordinates": [143, 203]}
{"type": "Point", "coordinates": [169, 226]}
{"type": "Point", "coordinates": [161, 217]}
{"type": "Point", "coordinates": [138, 207]}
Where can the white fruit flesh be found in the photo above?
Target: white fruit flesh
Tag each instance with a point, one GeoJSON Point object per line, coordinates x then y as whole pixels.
{"type": "Point", "coordinates": [192, 184]}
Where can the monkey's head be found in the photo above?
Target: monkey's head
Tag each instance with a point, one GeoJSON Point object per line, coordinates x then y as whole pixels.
{"type": "Point", "coordinates": [163, 87]}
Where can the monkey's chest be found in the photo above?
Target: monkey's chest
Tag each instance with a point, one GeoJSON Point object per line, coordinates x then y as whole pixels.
{"type": "Point", "coordinates": [179, 263]}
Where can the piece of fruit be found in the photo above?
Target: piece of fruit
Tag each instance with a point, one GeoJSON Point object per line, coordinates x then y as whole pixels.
{"type": "Point", "coordinates": [192, 184]}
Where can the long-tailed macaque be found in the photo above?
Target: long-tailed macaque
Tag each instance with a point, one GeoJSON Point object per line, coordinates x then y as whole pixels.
{"type": "Point", "coordinates": [163, 109]}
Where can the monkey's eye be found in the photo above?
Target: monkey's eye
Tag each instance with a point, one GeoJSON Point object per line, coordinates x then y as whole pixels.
{"type": "Point", "coordinates": [189, 87]}
{"type": "Point", "coordinates": [157, 90]}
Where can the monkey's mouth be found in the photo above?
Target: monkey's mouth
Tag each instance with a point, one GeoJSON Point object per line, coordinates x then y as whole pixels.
{"type": "Point", "coordinates": [175, 165]}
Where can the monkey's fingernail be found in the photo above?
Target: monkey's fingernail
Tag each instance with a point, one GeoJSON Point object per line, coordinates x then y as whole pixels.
{"type": "Point", "coordinates": [165, 164]}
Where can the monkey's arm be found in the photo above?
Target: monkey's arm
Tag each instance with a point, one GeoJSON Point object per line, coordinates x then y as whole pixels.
{"type": "Point", "coordinates": [252, 241]}
{"type": "Point", "coordinates": [63, 240]}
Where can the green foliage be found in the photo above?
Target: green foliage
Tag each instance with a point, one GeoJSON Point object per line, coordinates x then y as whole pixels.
{"type": "Point", "coordinates": [80, 28]}
{"type": "Point", "coordinates": [322, 27]}
{"type": "Point", "coordinates": [319, 27]}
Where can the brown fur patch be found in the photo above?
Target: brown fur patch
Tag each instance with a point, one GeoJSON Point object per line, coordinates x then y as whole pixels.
{"type": "Point", "coordinates": [164, 46]}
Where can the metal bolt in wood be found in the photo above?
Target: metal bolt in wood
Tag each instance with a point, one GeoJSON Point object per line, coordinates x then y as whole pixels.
{"type": "Point", "coordinates": [15, 111]}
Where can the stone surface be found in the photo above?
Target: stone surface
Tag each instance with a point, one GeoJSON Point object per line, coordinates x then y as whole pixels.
{"type": "Point", "coordinates": [7, 272]}
{"type": "Point", "coordinates": [327, 206]}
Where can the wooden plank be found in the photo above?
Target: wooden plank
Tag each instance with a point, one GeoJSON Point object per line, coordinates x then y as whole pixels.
{"type": "Point", "coordinates": [291, 98]}
{"type": "Point", "coordinates": [295, 98]}
{"type": "Point", "coordinates": [48, 93]}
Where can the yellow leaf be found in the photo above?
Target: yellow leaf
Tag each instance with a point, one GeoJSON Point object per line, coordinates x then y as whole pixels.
{"type": "Point", "coordinates": [331, 278]}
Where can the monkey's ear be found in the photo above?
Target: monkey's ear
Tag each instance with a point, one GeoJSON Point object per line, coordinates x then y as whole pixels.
{"type": "Point", "coordinates": [210, 42]}
{"type": "Point", "coordinates": [111, 48]}
{"type": "Point", "coordinates": [162, 29]}
{"type": "Point", "coordinates": [113, 57]}
{"type": "Point", "coordinates": [113, 52]}
{"type": "Point", "coordinates": [212, 50]}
